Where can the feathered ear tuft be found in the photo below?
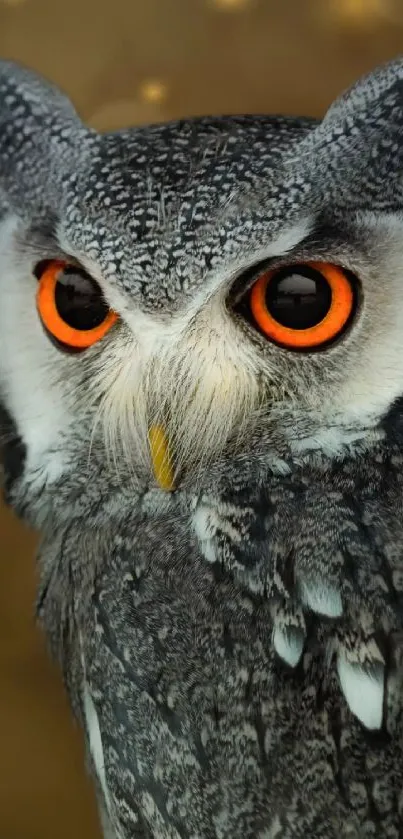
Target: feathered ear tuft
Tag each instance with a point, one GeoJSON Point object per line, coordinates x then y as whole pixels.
{"type": "Point", "coordinates": [24, 88]}
{"type": "Point", "coordinates": [39, 134]}
{"type": "Point", "coordinates": [373, 98]}
{"type": "Point", "coordinates": [358, 147]}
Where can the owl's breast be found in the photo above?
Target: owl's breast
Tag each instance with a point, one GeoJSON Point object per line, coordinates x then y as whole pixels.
{"type": "Point", "coordinates": [205, 730]}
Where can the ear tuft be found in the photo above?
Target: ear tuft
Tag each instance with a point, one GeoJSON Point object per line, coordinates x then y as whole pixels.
{"type": "Point", "coordinates": [40, 134]}
{"type": "Point", "coordinates": [24, 88]}
{"type": "Point", "coordinates": [369, 99]}
{"type": "Point", "coordinates": [355, 155]}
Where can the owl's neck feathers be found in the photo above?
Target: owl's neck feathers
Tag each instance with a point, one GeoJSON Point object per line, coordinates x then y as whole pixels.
{"type": "Point", "coordinates": [315, 555]}
{"type": "Point", "coordinates": [319, 540]}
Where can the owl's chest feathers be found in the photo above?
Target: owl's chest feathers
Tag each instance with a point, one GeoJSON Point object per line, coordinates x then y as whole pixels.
{"type": "Point", "coordinates": [202, 633]}
{"type": "Point", "coordinates": [277, 563]}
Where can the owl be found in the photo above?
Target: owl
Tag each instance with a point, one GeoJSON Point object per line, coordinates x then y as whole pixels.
{"type": "Point", "coordinates": [201, 385]}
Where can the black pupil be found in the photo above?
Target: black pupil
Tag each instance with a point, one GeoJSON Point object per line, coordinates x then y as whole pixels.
{"type": "Point", "coordinates": [79, 300]}
{"type": "Point", "coordinates": [298, 298]}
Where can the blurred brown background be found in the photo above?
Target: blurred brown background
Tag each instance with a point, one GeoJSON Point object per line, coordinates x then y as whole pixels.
{"type": "Point", "coordinates": [133, 61]}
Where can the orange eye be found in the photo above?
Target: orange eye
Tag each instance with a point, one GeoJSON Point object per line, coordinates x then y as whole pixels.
{"type": "Point", "coordinates": [72, 307]}
{"type": "Point", "coordinates": [302, 306]}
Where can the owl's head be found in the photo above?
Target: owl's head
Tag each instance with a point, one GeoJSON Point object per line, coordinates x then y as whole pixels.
{"type": "Point", "coordinates": [223, 287]}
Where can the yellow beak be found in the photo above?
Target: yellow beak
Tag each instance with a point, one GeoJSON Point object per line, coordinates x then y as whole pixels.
{"type": "Point", "coordinates": [161, 458]}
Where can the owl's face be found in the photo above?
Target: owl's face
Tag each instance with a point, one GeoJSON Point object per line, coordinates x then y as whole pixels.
{"type": "Point", "coordinates": [233, 283]}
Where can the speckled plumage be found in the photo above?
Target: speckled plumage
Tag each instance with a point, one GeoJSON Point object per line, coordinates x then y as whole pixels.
{"type": "Point", "coordinates": [234, 648]}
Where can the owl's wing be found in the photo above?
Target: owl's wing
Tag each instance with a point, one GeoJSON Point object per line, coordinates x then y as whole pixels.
{"type": "Point", "coordinates": [321, 548]}
{"type": "Point", "coordinates": [195, 727]}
